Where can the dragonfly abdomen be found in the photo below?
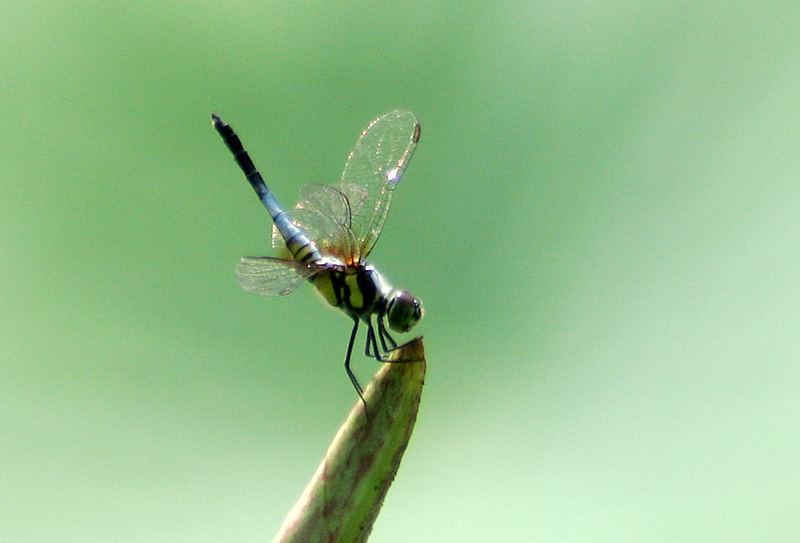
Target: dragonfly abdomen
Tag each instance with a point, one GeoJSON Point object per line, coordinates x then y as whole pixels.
{"type": "Point", "coordinates": [298, 243]}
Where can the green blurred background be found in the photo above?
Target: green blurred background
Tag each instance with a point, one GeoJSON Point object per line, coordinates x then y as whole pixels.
{"type": "Point", "coordinates": [602, 218]}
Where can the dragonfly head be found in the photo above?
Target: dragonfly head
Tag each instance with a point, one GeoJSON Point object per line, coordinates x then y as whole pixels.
{"type": "Point", "coordinates": [403, 311]}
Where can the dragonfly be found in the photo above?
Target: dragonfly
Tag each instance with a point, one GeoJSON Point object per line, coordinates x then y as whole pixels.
{"type": "Point", "coordinates": [327, 237]}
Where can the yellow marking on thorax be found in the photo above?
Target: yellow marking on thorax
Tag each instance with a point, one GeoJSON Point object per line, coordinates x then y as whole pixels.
{"type": "Point", "coordinates": [356, 296]}
{"type": "Point", "coordinates": [324, 285]}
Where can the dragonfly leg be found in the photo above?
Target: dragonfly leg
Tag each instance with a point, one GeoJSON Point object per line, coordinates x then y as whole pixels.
{"type": "Point", "coordinates": [347, 363]}
{"type": "Point", "coordinates": [385, 337]}
{"type": "Point", "coordinates": [389, 344]}
{"type": "Point", "coordinates": [371, 349]}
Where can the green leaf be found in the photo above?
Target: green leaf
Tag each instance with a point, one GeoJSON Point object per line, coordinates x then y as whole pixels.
{"type": "Point", "coordinates": [342, 501]}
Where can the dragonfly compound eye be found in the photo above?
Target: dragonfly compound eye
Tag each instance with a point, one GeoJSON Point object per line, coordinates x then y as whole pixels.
{"type": "Point", "coordinates": [403, 311]}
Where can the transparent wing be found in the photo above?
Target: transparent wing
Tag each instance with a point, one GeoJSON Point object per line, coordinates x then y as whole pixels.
{"type": "Point", "coordinates": [271, 276]}
{"type": "Point", "coordinates": [323, 212]}
{"type": "Point", "coordinates": [372, 172]}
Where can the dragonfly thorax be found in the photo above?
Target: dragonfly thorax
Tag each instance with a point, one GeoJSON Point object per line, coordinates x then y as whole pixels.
{"type": "Point", "coordinates": [360, 291]}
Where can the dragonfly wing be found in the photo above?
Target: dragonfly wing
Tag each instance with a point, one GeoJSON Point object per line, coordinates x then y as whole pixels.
{"type": "Point", "coordinates": [372, 172]}
{"type": "Point", "coordinates": [323, 213]}
{"type": "Point", "coordinates": [271, 276]}
{"type": "Point", "coordinates": [327, 201]}
{"type": "Point", "coordinates": [278, 243]}
{"type": "Point", "coordinates": [317, 228]}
